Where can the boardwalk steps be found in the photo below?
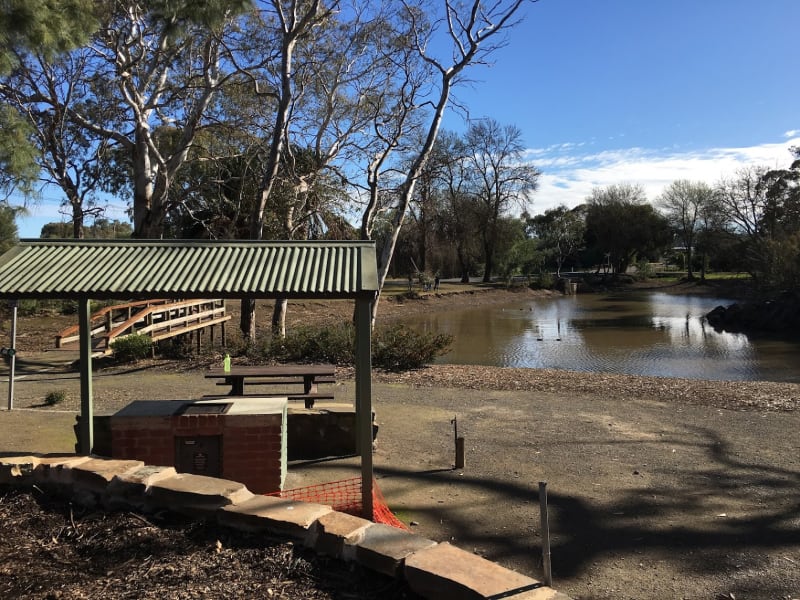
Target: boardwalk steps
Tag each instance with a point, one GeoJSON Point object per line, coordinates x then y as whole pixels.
{"type": "Point", "coordinates": [159, 319]}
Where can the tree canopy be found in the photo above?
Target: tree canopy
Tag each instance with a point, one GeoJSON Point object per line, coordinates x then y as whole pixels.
{"type": "Point", "coordinates": [622, 225]}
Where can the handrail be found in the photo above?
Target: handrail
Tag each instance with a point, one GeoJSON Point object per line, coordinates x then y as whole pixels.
{"type": "Point", "coordinates": [73, 329]}
{"type": "Point", "coordinates": [158, 311]}
{"type": "Point", "coordinates": [119, 329]}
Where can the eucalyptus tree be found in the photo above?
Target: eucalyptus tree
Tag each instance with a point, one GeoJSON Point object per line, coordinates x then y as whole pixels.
{"type": "Point", "coordinates": [684, 204]}
{"type": "Point", "coordinates": [321, 71]}
{"type": "Point", "coordinates": [622, 225]}
{"type": "Point", "coordinates": [214, 193]}
{"type": "Point", "coordinates": [32, 28]}
{"type": "Point", "coordinates": [471, 32]}
{"type": "Point", "coordinates": [140, 87]}
{"type": "Point", "coordinates": [429, 206]}
{"type": "Point", "coordinates": [459, 221]}
{"type": "Point", "coordinates": [560, 232]}
{"type": "Point", "coordinates": [156, 68]}
{"type": "Point", "coordinates": [763, 206]}
{"type": "Point", "coordinates": [100, 228]}
{"type": "Point", "coordinates": [502, 180]}
{"type": "Point", "coordinates": [42, 92]}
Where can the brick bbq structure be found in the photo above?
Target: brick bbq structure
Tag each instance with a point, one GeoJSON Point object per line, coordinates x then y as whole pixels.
{"type": "Point", "coordinates": [241, 439]}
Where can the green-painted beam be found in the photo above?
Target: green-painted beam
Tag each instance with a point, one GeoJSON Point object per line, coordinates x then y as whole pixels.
{"type": "Point", "coordinates": [87, 409]}
{"type": "Point", "coordinates": [363, 320]}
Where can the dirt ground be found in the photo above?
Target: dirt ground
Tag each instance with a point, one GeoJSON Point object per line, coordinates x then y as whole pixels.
{"type": "Point", "coordinates": [657, 488]}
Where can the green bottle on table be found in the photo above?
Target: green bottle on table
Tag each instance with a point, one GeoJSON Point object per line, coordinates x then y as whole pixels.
{"type": "Point", "coordinates": [226, 363]}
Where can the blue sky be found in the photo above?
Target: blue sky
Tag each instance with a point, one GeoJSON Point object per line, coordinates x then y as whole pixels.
{"type": "Point", "coordinates": [645, 91]}
{"type": "Point", "coordinates": [640, 91]}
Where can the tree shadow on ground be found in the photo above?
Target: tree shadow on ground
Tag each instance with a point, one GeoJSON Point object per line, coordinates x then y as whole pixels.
{"type": "Point", "coordinates": [687, 525]}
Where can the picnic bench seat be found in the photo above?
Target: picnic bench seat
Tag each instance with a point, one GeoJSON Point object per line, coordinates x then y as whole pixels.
{"type": "Point", "coordinates": [308, 399]}
{"type": "Point", "coordinates": [287, 381]}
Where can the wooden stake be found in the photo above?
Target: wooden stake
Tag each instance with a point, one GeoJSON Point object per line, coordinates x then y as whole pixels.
{"type": "Point", "coordinates": [459, 453]}
{"type": "Point", "coordinates": [548, 573]}
{"type": "Point", "coordinates": [459, 445]}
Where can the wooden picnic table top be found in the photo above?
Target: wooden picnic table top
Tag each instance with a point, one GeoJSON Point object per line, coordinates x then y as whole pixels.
{"type": "Point", "coordinates": [244, 371]}
{"type": "Point", "coordinates": [271, 371]}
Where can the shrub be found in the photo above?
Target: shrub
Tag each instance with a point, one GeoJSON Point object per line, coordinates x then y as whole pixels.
{"type": "Point", "coordinates": [176, 348]}
{"type": "Point", "coordinates": [399, 348]}
{"type": "Point", "coordinates": [544, 281]}
{"type": "Point", "coordinates": [644, 270]}
{"type": "Point", "coordinates": [55, 397]}
{"type": "Point", "coordinates": [132, 347]}
{"type": "Point", "coordinates": [394, 348]}
{"type": "Point", "coordinates": [28, 308]}
{"type": "Point", "coordinates": [333, 344]}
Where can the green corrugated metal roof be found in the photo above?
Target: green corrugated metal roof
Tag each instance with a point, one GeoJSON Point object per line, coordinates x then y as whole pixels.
{"type": "Point", "coordinates": [188, 269]}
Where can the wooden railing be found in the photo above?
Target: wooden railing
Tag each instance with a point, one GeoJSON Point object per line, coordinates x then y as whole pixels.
{"type": "Point", "coordinates": [159, 319]}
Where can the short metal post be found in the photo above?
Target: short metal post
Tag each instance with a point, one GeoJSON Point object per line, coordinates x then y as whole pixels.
{"type": "Point", "coordinates": [548, 573]}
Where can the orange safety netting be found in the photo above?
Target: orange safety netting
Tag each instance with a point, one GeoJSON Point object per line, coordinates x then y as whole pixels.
{"type": "Point", "coordinates": [345, 496]}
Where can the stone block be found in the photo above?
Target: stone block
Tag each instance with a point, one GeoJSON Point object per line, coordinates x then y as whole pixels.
{"type": "Point", "coordinates": [89, 480]}
{"type": "Point", "coordinates": [384, 548]}
{"type": "Point", "coordinates": [278, 516]}
{"type": "Point", "coordinates": [128, 490]}
{"type": "Point", "coordinates": [17, 470]}
{"type": "Point", "coordinates": [444, 571]}
{"type": "Point", "coordinates": [96, 473]}
{"type": "Point", "coordinates": [195, 495]}
{"type": "Point", "coordinates": [335, 529]}
{"type": "Point", "coordinates": [55, 469]}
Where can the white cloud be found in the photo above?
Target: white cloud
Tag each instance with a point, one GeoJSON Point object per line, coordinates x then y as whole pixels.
{"type": "Point", "coordinates": [791, 133]}
{"type": "Point", "coordinates": [568, 178]}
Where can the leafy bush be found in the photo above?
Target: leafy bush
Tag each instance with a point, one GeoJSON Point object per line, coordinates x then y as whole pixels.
{"type": "Point", "coordinates": [399, 348]}
{"type": "Point", "coordinates": [55, 397]}
{"type": "Point", "coordinates": [544, 281]}
{"type": "Point", "coordinates": [176, 348]}
{"type": "Point", "coordinates": [28, 308]}
{"type": "Point", "coordinates": [334, 344]}
{"type": "Point", "coordinates": [394, 348]}
{"type": "Point", "coordinates": [132, 347]}
{"type": "Point", "coordinates": [644, 270]}
{"type": "Point", "coordinates": [70, 307]}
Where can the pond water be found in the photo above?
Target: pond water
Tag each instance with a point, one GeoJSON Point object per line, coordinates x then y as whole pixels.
{"type": "Point", "coordinates": [646, 333]}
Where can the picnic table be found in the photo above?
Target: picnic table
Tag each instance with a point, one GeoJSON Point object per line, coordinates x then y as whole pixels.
{"type": "Point", "coordinates": [309, 376]}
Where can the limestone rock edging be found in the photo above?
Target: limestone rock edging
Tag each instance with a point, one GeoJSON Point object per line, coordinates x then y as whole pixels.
{"type": "Point", "coordinates": [432, 570]}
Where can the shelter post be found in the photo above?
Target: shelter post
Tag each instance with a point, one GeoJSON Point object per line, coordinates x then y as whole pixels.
{"type": "Point", "coordinates": [363, 314]}
{"type": "Point", "coordinates": [12, 363]}
{"type": "Point", "coordinates": [87, 409]}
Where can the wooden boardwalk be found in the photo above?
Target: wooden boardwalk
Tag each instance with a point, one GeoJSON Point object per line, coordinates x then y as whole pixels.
{"type": "Point", "coordinates": [159, 319]}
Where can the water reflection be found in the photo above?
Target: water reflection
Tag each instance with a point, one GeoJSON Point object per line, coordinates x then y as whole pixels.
{"type": "Point", "coordinates": [647, 334]}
